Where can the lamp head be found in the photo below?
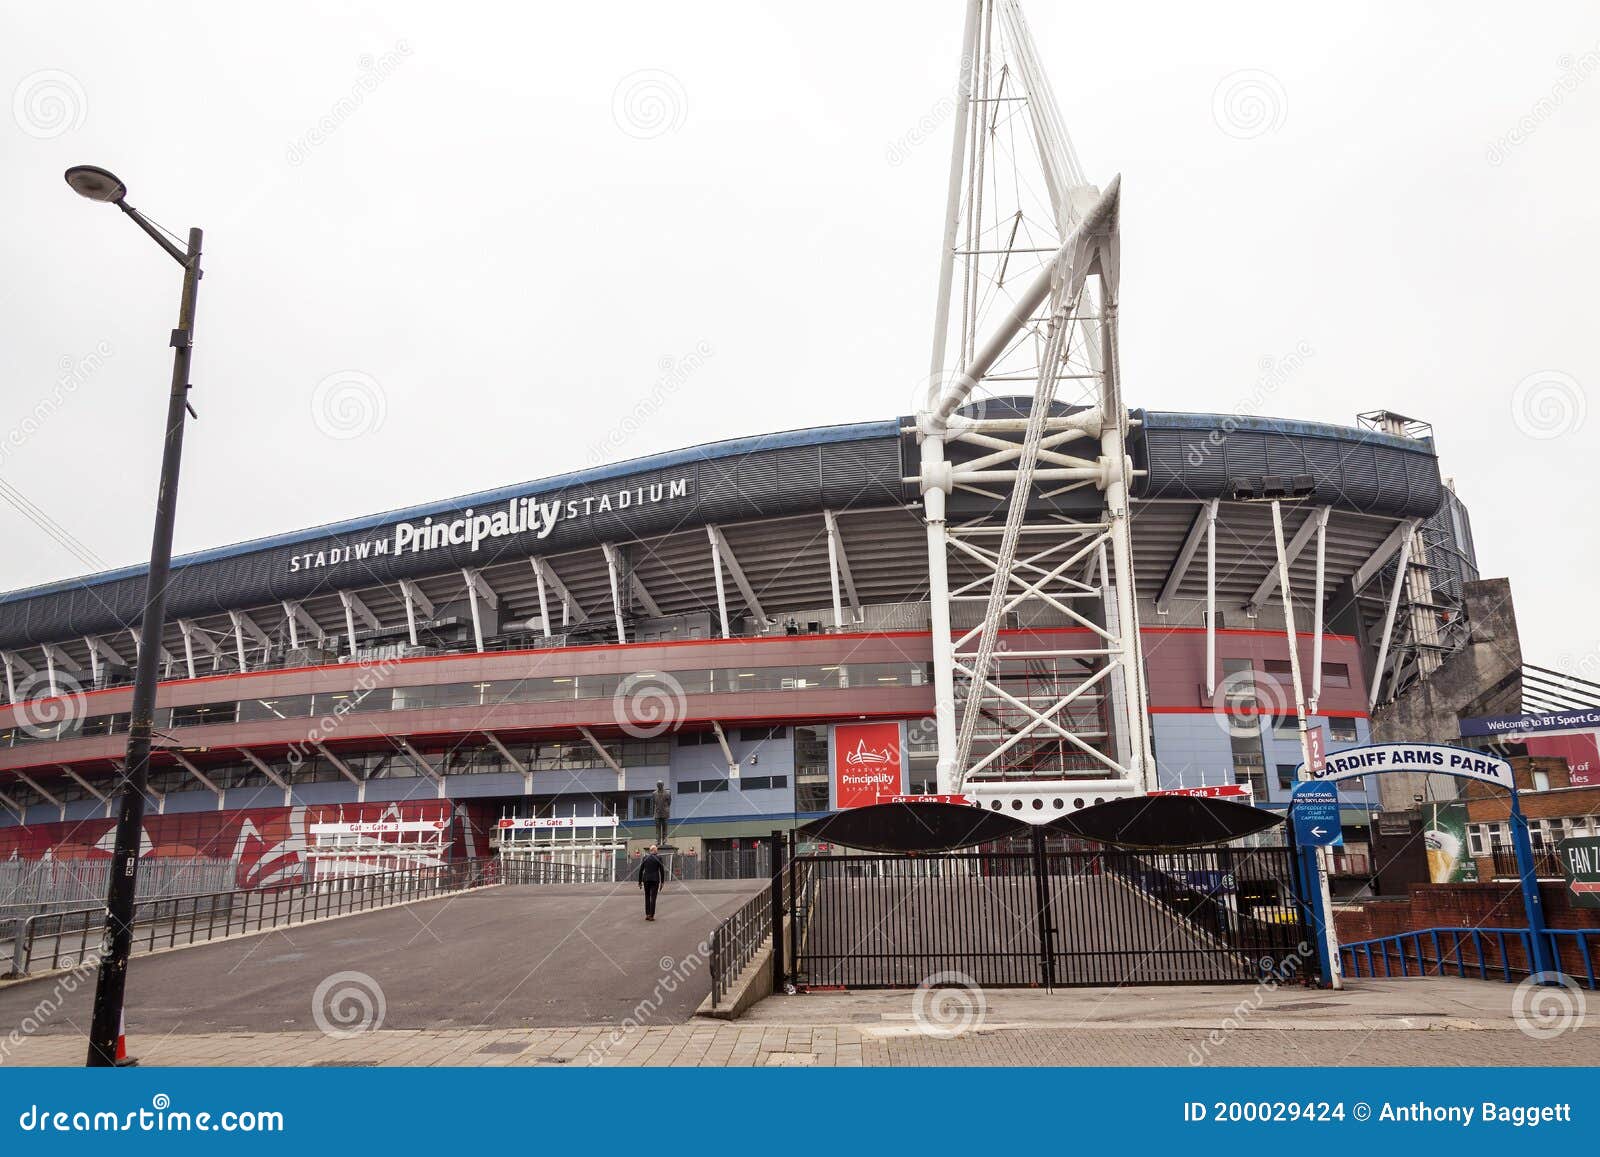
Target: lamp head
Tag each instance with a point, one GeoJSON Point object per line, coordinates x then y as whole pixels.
{"type": "Point", "coordinates": [96, 184]}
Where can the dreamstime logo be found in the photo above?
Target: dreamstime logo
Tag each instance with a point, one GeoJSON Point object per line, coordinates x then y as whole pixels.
{"type": "Point", "coordinates": [349, 404]}
{"type": "Point", "coordinates": [675, 973]}
{"type": "Point", "coordinates": [75, 373]}
{"type": "Point", "coordinates": [1249, 103]}
{"type": "Point", "coordinates": [1548, 404]}
{"type": "Point", "coordinates": [348, 1004]}
{"type": "Point", "coordinates": [48, 103]}
{"type": "Point", "coordinates": [648, 704]}
{"type": "Point", "coordinates": [1547, 1005]}
{"type": "Point", "coordinates": [1275, 371]}
{"type": "Point", "coordinates": [1274, 974]}
{"type": "Point", "coordinates": [896, 151]}
{"type": "Point", "coordinates": [675, 372]}
{"type": "Point", "coordinates": [649, 103]}
{"type": "Point", "coordinates": [948, 1004]}
{"type": "Point", "coordinates": [46, 711]}
{"type": "Point", "coordinates": [372, 72]}
{"type": "Point", "coordinates": [1573, 72]}
{"type": "Point", "coordinates": [1244, 703]}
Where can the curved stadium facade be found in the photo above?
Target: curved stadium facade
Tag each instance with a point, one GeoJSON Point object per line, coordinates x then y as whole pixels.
{"type": "Point", "coordinates": [747, 622]}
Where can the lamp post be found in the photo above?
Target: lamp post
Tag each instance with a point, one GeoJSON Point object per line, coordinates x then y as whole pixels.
{"type": "Point", "coordinates": [99, 185]}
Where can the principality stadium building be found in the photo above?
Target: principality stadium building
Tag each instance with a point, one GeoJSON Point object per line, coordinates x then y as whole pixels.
{"type": "Point", "coordinates": [1025, 594]}
{"type": "Point", "coordinates": [752, 624]}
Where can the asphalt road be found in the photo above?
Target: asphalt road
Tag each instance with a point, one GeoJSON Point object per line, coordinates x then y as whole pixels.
{"type": "Point", "coordinates": [514, 957]}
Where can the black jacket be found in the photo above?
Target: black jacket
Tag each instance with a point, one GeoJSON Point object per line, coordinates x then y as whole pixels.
{"type": "Point", "coordinates": [651, 869]}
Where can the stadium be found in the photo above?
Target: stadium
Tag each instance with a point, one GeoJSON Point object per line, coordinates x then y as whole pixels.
{"type": "Point", "coordinates": [1024, 594]}
{"type": "Point", "coordinates": [749, 622]}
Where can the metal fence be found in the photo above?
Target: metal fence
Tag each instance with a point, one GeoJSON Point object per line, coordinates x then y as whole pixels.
{"type": "Point", "coordinates": [1478, 953]}
{"type": "Point", "coordinates": [1047, 918]}
{"type": "Point", "coordinates": [1546, 863]}
{"type": "Point", "coordinates": [735, 942]}
{"type": "Point", "coordinates": [73, 937]}
{"type": "Point", "coordinates": [32, 885]}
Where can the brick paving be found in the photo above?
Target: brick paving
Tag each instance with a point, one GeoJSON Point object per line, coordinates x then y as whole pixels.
{"type": "Point", "coordinates": [709, 1044]}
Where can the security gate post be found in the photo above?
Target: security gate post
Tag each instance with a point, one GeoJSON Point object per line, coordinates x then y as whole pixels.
{"type": "Point", "coordinates": [794, 904]}
{"type": "Point", "coordinates": [780, 972]}
{"type": "Point", "coordinates": [1041, 889]}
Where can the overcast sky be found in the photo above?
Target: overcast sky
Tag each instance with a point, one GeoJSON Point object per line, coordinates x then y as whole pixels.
{"type": "Point", "coordinates": [456, 246]}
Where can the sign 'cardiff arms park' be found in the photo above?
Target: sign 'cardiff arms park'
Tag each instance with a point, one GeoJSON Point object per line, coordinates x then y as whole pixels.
{"type": "Point", "coordinates": [1429, 758]}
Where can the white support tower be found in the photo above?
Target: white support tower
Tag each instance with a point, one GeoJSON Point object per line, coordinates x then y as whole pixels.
{"type": "Point", "coordinates": [1024, 474]}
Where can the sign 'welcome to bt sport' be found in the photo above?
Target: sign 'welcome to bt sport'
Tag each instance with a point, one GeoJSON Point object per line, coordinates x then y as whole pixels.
{"type": "Point", "coordinates": [1429, 758]}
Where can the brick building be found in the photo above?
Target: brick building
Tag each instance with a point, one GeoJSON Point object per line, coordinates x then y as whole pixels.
{"type": "Point", "coordinates": [1556, 808]}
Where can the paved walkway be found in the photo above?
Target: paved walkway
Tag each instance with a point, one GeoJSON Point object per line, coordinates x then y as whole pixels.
{"type": "Point", "coordinates": [1388, 1022]}
{"type": "Point", "coordinates": [496, 958]}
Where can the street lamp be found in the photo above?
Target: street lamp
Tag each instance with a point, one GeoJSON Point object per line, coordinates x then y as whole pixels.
{"type": "Point", "coordinates": [99, 185]}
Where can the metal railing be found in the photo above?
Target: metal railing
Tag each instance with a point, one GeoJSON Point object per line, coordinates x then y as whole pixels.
{"type": "Point", "coordinates": [735, 942]}
{"type": "Point", "coordinates": [29, 886]}
{"type": "Point", "coordinates": [1546, 863]}
{"type": "Point", "coordinates": [1483, 953]}
{"type": "Point", "coordinates": [517, 871]}
{"type": "Point", "coordinates": [72, 937]}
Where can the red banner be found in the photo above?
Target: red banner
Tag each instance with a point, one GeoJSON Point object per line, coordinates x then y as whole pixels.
{"type": "Point", "coordinates": [1217, 791]}
{"type": "Point", "coordinates": [267, 845]}
{"type": "Point", "coordinates": [1579, 750]}
{"type": "Point", "coordinates": [866, 763]}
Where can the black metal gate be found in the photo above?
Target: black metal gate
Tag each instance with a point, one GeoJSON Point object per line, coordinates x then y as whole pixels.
{"type": "Point", "coordinates": [1045, 918]}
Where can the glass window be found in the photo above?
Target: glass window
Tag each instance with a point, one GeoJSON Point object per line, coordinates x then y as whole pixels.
{"type": "Point", "coordinates": [1342, 729]}
{"type": "Point", "coordinates": [598, 686]}
{"type": "Point", "coordinates": [1249, 756]}
{"type": "Point", "coordinates": [199, 714]}
{"type": "Point", "coordinates": [281, 707]}
{"type": "Point", "coordinates": [1335, 675]}
{"type": "Point", "coordinates": [698, 682]}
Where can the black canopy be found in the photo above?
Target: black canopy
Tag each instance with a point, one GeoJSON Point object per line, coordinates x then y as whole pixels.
{"type": "Point", "coordinates": [913, 827]}
{"type": "Point", "coordinates": [1165, 821]}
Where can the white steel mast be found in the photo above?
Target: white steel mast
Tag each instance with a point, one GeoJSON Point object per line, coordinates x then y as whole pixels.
{"type": "Point", "coordinates": [1024, 472]}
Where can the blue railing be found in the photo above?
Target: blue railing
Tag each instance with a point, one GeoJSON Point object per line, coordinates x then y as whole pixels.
{"type": "Point", "coordinates": [1485, 953]}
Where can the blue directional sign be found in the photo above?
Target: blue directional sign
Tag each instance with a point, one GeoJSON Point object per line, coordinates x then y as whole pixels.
{"type": "Point", "coordinates": [1315, 808]}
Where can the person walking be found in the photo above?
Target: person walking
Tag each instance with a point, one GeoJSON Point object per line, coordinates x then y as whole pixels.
{"type": "Point", "coordinates": [652, 874]}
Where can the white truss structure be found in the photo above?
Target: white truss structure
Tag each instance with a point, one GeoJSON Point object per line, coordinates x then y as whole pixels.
{"type": "Point", "coordinates": [1030, 729]}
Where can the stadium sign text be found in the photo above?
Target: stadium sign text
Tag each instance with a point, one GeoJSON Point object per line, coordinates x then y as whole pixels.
{"type": "Point", "coordinates": [476, 527]}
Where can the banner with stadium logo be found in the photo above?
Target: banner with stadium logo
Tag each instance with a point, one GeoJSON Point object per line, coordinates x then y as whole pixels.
{"type": "Point", "coordinates": [867, 763]}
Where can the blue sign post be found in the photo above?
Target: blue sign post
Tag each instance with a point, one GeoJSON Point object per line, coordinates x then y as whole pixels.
{"type": "Point", "coordinates": [1314, 810]}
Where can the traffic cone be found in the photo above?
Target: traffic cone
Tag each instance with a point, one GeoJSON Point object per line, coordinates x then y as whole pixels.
{"type": "Point", "coordinates": [124, 1061]}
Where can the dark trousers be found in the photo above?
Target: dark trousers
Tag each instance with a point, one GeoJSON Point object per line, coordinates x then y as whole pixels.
{"type": "Point", "coordinates": [651, 887]}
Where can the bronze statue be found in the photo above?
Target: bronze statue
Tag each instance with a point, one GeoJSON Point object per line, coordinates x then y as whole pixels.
{"type": "Point", "coordinates": [662, 811]}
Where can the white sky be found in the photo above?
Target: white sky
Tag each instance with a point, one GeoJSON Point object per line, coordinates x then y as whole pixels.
{"type": "Point", "coordinates": [509, 269]}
